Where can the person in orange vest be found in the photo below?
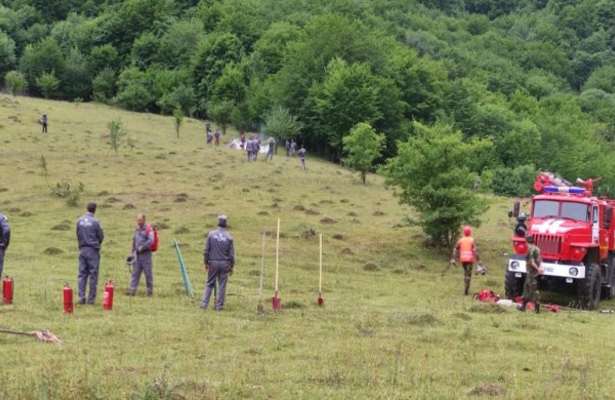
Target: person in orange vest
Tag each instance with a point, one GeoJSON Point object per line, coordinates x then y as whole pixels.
{"type": "Point", "coordinates": [465, 251]}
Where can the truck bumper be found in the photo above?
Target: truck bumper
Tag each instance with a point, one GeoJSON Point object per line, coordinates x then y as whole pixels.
{"type": "Point", "coordinates": [568, 271]}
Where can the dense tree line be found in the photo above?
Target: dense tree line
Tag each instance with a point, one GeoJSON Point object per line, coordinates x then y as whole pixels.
{"type": "Point", "coordinates": [534, 80]}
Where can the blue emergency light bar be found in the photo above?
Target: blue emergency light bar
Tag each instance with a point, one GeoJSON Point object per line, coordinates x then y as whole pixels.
{"type": "Point", "coordinates": [564, 189]}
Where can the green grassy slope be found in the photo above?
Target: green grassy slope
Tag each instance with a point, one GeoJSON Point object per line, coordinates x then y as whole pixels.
{"type": "Point", "coordinates": [399, 330]}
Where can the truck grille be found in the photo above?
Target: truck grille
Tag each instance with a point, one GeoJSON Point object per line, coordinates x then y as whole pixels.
{"type": "Point", "coordinates": [548, 244]}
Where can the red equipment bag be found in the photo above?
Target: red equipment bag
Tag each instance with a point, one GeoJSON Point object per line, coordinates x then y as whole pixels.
{"type": "Point", "coordinates": [487, 296]}
{"type": "Point", "coordinates": [154, 247]}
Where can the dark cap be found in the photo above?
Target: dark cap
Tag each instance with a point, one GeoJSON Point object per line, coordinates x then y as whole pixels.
{"type": "Point", "coordinates": [91, 207]}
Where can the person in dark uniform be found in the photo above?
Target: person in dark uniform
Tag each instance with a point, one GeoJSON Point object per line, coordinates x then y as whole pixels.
{"type": "Point", "coordinates": [219, 260]}
{"type": "Point", "coordinates": [90, 237]}
{"type": "Point", "coordinates": [5, 239]}
{"type": "Point", "coordinates": [521, 227]}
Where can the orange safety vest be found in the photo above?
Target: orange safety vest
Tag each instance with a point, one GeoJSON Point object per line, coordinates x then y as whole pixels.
{"type": "Point", "coordinates": [465, 246]}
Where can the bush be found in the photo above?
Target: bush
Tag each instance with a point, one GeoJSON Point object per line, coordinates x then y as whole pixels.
{"type": "Point", "coordinates": [513, 181]}
{"type": "Point", "coordinates": [15, 82]}
{"type": "Point", "coordinates": [68, 191]}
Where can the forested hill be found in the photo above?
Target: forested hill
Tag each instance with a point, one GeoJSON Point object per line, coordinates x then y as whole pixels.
{"type": "Point", "coordinates": [535, 77]}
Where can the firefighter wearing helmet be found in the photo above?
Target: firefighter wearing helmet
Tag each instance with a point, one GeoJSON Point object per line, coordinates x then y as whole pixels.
{"type": "Point", "coordinates": [465, 251]}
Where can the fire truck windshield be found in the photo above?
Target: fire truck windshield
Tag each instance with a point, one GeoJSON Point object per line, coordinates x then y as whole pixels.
{"type": "Point", "coordinates": [563, 209]}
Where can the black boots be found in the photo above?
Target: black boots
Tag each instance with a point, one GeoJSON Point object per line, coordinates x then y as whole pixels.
{"type": "Point", "coordinates": [524, 306]}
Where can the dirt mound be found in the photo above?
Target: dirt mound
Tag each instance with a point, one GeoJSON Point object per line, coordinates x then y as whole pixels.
{"type": "Point", "coordinates": [129, 206]}
{"type": "Point", "coordinates": [371, 267]}
{"type": "Point", "coordinates": [61, 227]}
{"type": "Point", "coordinates": [378, 214]}
{"type": "Point", "coordinates": [263, 213]}
{"type": "Point", "coordinates": [312, 212]}
{"type": "Point", "coordinates": [346, 252]}
{"type": "Point", "coordinates": [299, 208]}
{"type": "Point", "coordinates": [53, 251]}
{"type": "Point", "coordinates": [488, 389]}
{"type": "Point", "coordinates": [338, 236]}
{"type": "Point", "coordinates": [328, 221]}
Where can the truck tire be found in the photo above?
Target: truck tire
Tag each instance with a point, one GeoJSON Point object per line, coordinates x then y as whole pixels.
{"type": "Point", "coordinates": [608, 292]}
{"type": "Point", "coordinates": [590, 288]}
{"type": "Point", "coordinates": [513, 286]}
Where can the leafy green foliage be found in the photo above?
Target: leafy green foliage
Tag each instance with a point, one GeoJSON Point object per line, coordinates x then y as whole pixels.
{"type": "Point", "coordinates": [362, 147]}
{"type": "Point", "coordinates": [535, 77]}
{"type": "Point", "coordinates": [178, 116]}
{"type": "Point", "coordinates": [433, 176]}
{"type": "Point", "coordinates": [48, 84]}
{"type": "Point", "coordinates": [116, 134]}
{"type": "Point", "coordinates": [281, 124]}
{"type": "Point", "coordinates": [15, 82]}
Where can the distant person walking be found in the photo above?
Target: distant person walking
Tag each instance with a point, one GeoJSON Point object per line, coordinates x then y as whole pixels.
{"type": "Point", "coordinates": [5, 239]}
{"type": "Point", "coordinates": [257, 147]}
{"type": "Point", "coordinates": [90, 236]}
{"type": "Point", "coordinates": [249, 148]}
{"type": "Point", "coordinates": [293, 147]}
{"type": "Point", "coordinates": [217, 137]}
{"type": "Point", "coordinates": [287, 146]}
{"type": "Point", "coordinates": [301, 153]}
{"type": "Point", "coordinates": [208, 135]}
{"type": "Point", "coordinates": [219, 260]}
{"type": "Point", "coordinates": [271, 149]}
{"type": "Point", "coordinates": [466, 252]}
{"type": "Point", "coordinates": [142, 241]}
{"type": "Point", "coordinates": [44, 122]}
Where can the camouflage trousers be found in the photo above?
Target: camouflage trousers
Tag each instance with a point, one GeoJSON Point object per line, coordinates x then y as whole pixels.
{"type": "Point", "coordinates": [530, 287]}
{"type": "Point", "coordinates": [467, 275]}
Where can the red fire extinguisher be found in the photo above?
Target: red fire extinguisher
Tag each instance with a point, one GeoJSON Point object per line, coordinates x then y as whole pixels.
{"type": "Point", "coordinates": [108, 296]}
{"type": "Point", "coordinates": [7, 290]}
{"type": "Point", "coordinates": [68, 299]}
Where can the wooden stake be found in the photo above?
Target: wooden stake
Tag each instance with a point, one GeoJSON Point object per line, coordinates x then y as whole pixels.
{"type": "Point", "coordinates": [260, 288]}
{"type": "Point", "coordinates": [320, 301]}
{"type": "Point", "coordinates": [320, 274]}
{"type": "Point", "coordinates": [275, 301]}
{"type": "Point", "coordinates": [277, 257]}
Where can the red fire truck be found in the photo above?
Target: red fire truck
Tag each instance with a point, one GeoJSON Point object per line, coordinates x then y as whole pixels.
{"type": "Point", "coordinates": [576, 236]}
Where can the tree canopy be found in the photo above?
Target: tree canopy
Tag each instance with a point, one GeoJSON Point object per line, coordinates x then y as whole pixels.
{"type": "Point", "coordinates": [535, 77]}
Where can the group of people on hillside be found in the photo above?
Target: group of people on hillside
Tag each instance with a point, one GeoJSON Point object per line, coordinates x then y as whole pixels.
{"type": "Point", "coordinates": [219, 256]}
{"type": "Point", "coordinates": [212, 137]}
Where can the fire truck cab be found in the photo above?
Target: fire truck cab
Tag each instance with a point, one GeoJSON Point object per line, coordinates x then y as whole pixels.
{"type": "Point", "coordinates": [573, 229]}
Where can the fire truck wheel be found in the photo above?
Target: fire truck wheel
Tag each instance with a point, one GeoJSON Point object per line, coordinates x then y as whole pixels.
{"type": "Point", "coordinates": [513, 286]}
{"type": "Point", "coordinates": [590, 288]}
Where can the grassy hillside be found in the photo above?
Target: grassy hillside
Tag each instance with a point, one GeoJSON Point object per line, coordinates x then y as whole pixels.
{"type": "Point", "coordinates": [393, 327]}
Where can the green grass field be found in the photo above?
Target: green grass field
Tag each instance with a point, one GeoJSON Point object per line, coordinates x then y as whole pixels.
{"type": "Point", "coordinates": [393, 326]}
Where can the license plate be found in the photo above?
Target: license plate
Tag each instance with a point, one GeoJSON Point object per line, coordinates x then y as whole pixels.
{"type": "Point", "coordinates": [549, 269]}
{"type": "Point", "coordinates": [518, 275]}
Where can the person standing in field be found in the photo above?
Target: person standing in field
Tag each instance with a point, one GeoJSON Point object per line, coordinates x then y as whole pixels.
{"type": "Point", "coordinates": [90, 237]}
{"type": "Point", "coordinates": [301, 153]}
{"type": "Point", "coordinates": [466, 252]}
{"type": "Point", "coordinates": [44, 121]}
{"type": "Point", "coordinates": [257, 147]}
{"type": "Point", "coordinates": [287, 146]}
{"type": "Point", "coordinates": [5, 239]}
{"type": "Point", "coordinates": [217, 137]}
{"type": "Point", "coordinates": [530, 287]}
{"type": "Point", "coordinates": [293, 147]}
{"type": "Point", "coordinates": [142, 241]}
{"type": "Point", "coordinates": [219, 261]}
{"type": "Point", "coordinates": [249, 148]}
{"type": "Point", "coordinates": [271, 149]}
